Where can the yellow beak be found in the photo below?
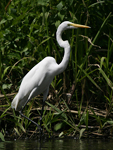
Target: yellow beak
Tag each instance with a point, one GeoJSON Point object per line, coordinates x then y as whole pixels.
{"type": "Point", "coordinates": [79, 25]}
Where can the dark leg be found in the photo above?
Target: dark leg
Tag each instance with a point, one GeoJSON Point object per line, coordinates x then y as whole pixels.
{"type": "Point", "coordinates": [30, 120]}
{"type": "Point", "coordinates": [42, 113]}
{"type": "Point", "coordinates": [21, 113]}
{"type": "Point", "coordinates": [44, 98]}
{"type": "Point", "coordinates": [41, 131]}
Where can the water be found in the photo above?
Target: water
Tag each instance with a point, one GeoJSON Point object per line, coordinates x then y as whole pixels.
{"type": "Point", "coordinates": [59, 144]}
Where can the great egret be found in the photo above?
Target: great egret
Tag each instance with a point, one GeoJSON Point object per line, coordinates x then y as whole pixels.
{"type": "Point", "coordinates": [39, 78]}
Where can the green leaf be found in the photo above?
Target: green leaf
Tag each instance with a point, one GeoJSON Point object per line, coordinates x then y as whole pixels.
{"type": "Point", "coordinates": [21, 126]}
{"type": "Point", "coordinates": [40, 44]}
{"type": "Point", "coordinates": [4, 72]}
{"type": "Point", "coordinates": [25, 50]}
{"type": "Point", "coordinates": [3, 114]}
{"type": "Point", "coordinates": [58, 126]}
{"type": "Point", "coordinates": [59, 112]}
{"type": "Point", "coordinates": [2, 21]}
{"type": "Point", "coordinates": [9, 17]}
{"type": "Point", "coordinates": [2, 137]}
{"type": "Point", "coordinates": [92, 5]}
{"type": "Point", "coordinates": [14, 55]}
{"type": "Point", "coordinates": [106, 78]}
{"type": "Point", "coordinates": [59, 6]}
{"type": "Point", "coordinates": [18, 19]}
{"type": "Point", "coordinates": [6, 86]}
{"type": "Point", "coordinates": [17, 131]}
{"type": "Point", "coordinates": [108, 122]}
{"type": "Point", "coordinates": [81, 132]}
{"type": "Point", "coordinates": [43, 2]}
{"type": "Point", "coordinates": [62, 133]}
{"type": "Point", "coordinates": [1, 34]}
{"type": "Point", "coordinates": [87, 75]}
{"type": "Point", "coordinates": [57, 23]}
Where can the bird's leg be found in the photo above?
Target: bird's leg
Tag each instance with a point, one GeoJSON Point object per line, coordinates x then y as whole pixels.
{"type": "Point", "coordinates": [30, 120]}
{"type": "Point", "coordinates": [41, 132]}
{"type": "Point", "coordinates": [42, 113]}
{"type": "Point", "coordinates": [21, 113]}
{"type": "Point", "coordinates": [45, 93]}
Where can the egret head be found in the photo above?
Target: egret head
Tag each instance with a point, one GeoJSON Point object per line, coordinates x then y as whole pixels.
{"type": "Point", "coordinates": [64, 26]}
{"type": "Point", "coordinates": [69, 25]}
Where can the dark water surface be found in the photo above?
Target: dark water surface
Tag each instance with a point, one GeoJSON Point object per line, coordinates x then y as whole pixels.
{"type": "Point", "coordinates": [59, 144]}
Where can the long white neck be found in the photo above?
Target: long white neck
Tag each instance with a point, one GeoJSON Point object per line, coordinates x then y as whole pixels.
{"type": "Point", "coordinates": [66, 46]}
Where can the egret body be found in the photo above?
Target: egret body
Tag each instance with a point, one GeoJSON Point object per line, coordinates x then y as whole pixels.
{"type": "Point", "coordinates": [39, 78]}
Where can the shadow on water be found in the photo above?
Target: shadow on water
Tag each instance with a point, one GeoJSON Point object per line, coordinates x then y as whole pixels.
{"type": "Point", "coordinates": [58, 144]}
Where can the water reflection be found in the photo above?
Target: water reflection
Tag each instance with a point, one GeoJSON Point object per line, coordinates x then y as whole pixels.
{"type": "Point", "coordinates": [59, 144]}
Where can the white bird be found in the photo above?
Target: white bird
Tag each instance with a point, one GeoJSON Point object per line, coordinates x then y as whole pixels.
{"type": "Point", "coordinates": [39, 78]}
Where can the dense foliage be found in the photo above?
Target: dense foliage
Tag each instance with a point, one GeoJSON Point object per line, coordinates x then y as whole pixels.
{"type": "Point", "coordinates": [27, 35]}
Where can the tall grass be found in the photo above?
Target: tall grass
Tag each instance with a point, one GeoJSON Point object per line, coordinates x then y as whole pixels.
{"type": "Point", "coordinates": [27, 35]}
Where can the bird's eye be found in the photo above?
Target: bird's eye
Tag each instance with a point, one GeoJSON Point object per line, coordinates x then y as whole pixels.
{"type": "Point", "coordinates": [69, 24]}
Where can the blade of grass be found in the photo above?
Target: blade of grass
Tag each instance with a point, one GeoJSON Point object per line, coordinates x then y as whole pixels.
{"type": "Point", "coordinates": [3, 114]}
{"type": "Point", "coordinates": [90, 78]}
{"type": "Point", "coordinates": [94, 40]}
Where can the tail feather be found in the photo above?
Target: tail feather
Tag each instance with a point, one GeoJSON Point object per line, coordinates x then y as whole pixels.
{"type": "Point", "coordinates": [14, 103]}
{"type": "Point", "coordinates": [18, 102]}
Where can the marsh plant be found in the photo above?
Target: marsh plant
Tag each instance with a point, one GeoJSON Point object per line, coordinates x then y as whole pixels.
{"type": "Point", "coordinates": [83, 94]}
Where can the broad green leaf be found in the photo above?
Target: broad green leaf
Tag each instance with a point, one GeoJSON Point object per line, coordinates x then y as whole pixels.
{"type": "Point", "coordinates": [58, 126]}
{"type": "Point", "coordinates": [2, 137]}
{"type": "Point", "coordinates": [6, 86]}
{"type": "Point", "coordinates": [2, 21]}
{"type": "Point", "coordinates": [9, 17]}
{"type": "Point", "coordinates": [43, 2]}
{"type": "Point", "coordinates": [59, 6]}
